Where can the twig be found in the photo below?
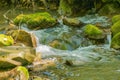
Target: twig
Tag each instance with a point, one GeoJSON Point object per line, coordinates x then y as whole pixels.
{"type": "Point", "coordinates": [5, 16]}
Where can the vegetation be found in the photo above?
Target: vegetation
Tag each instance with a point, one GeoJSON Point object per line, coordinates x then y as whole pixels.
{"type": "Point", "coordinates": [65, 8]}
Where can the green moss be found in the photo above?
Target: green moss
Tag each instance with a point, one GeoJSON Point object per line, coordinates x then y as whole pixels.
{"type": "Point", "coordinates": [116, 41]}
{"type": "Point", "coordinates": [115, 18]}
{"type": "Point", "coordinates": [36, 20]}
{"type": "Point", "coordinates": [6, 40]}
{"type": "Point", "coordinates": [92, 30]}
{"type": "Point", "coordinates": [115, 28]}
{"type": "Point", "coordinates": [65, 7]}
{"type": "Point", "coordinates": [24, 72]}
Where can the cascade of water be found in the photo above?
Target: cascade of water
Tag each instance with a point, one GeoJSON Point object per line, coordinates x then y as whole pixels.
{"type": "Point", "coordinates": [109, 39]}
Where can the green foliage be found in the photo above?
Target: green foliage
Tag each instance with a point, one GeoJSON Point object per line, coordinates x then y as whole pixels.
{"type": "Point", "coordinates": [24, 72]}
{"type": "Point", "coordinates": [111, 1]}
{"type": "Point", "coordinates": [92, 30]}
{"type": "Point", "coordinates": [115, 28]}
{"type": "Point", "coordinates": [35, 20]}
{"type": "Point", "coordinates": [6, 40]}
{"type": "Point", "coordinates": [65, 7]}
{"type": "Point", "coordinates": [116, 41]}
{"type": "Point", "coordinates": [115, 18]}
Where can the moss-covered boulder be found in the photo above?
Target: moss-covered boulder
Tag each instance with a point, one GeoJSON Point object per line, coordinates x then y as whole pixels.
{"type": "Point", "coordinates": [72, 22]}
{"type": "Point", "coordinates": [93, 32]}
{"type": "Point", "coordinates": [36, 20]}
{"type": "Point", "coordinates": [115, 18]}
{"type": "Point", "coordinates": [6, 40]}
{"type": "Point", "coordinates": [115, 28]}
{"type": "Point", "coordinates": [115, 43]}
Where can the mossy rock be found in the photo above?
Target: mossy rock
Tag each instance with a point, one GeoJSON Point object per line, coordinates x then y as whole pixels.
{"type": "Point", "coordinates": [93, 32]}
{"type": "Point", "coordinates": [115, 28]}
{"type": "Point", "coordinates": [36, 20]}
{"type": "Point", "coordinates": [115, 18]}
{"type": "Point", "coordinates": [115, 43]}
{"type": "Point", "coordinates": [6, 40]}
{"type": "Point", "coordinates": [72, 22]}
{"type": "Point", "coordinates": [23, 37]}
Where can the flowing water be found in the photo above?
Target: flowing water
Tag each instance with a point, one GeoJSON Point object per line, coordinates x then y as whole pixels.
{"type": "Point", "coordinates": [76, 57]}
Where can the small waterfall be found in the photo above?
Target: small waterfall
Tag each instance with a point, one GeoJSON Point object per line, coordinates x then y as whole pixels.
{"type": "Point", "coordinates": [109, 39]}
{"type": "Point", "coordinates": [60, 20]}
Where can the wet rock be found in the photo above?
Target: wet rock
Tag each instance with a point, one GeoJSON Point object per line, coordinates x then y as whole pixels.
{"type": "Point", "coordinates": [15, 55]}
{"type": "Point", "coordinates": [115, 18]}
{"type": "Point", "coordinates": [93, 32]}
{"type": "Point", "coordinates": [23, 37]}
{"type": "Point", "coordinates": [20, 73]}
{"type": "Point", "coordinates": [72, 22]}
{"type": "Point", "coordinates": [115, 28]}
{"type": "Point", "coordinates": [116, 41]}
{"type": "Point", "coordinates": [36, 20]}
{"type": "Point", "coordinates": [6, 40]}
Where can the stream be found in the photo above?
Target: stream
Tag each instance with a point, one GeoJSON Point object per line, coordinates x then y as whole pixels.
{"type": "Point", "coordinates": [76, 57]}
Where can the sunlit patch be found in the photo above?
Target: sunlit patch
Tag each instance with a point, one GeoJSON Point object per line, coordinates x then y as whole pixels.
{"type": "Point", "coordinates": [5, 39]}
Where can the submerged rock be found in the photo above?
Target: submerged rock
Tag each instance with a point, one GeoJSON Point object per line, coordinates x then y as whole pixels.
{"type": "Point", "coordinates": [72, 22]}
{"type": "Point", "coordinates": [6, 40]}
{"type": "Point", "coordinates": [36, 20]}
{"type": "Point", "coordinates": [58, 45]}
{"type": "Point", "coordinates": [116, 41]}
{"type": "Point", "coordinates": [115, 28]}
{"type": "Point", "coordinates": [93, 32]}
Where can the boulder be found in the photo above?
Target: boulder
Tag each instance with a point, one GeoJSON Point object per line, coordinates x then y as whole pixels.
{"type": "Point", "coordinates": [115, 28]}
{"type": "Point", "coordinates": [12, 56]}
{"type": "Point", "coordinates": [36, 20]}
{"type": "Point", "coordinates": [19, 72]}
{"type": "Point", "coordinates": [23, 37]}
{"type": "Point", "coordinates": [72, 22]}
{"type": "Point", "coordinates": [93, 32]}
{"type": "Point", "coordinates": [115, 43]}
